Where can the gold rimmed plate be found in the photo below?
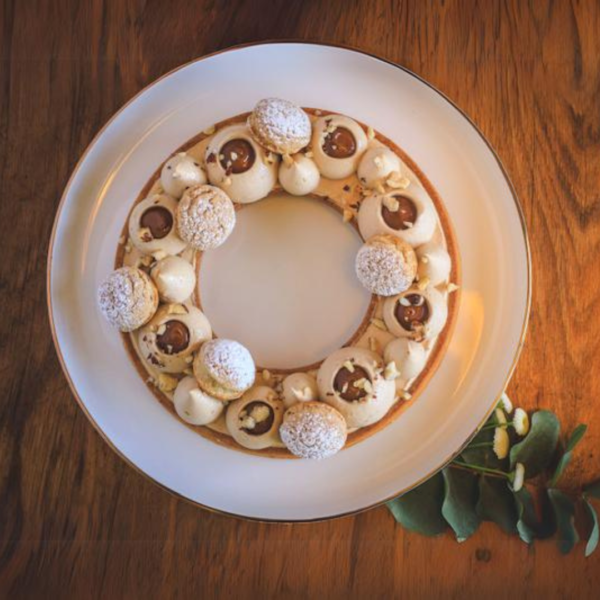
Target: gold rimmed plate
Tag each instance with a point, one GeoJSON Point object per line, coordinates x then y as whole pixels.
{"type": "Point", "coordinates": [490, 233]}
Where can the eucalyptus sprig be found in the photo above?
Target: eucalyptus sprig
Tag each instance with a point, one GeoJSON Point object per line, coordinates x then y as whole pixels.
{"type": "Point", "coordinates": [508, 474]}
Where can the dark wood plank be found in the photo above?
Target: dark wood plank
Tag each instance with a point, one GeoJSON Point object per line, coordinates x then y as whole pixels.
{"type": "Point", "coordinates": [75, 521]}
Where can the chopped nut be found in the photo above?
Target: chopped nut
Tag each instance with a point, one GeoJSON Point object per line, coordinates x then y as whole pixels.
{"type": "Point", "coordinates": [378, 162]}
{"type": "Point", "coordinates": [348, 365]}
{"type": "Point", "coordinates": [188, 371]}
{"type": "Point", "coordinates": [162, 328]}
{"type": "Point", "coordinates": [423, 283]}
{"type": "Point", "coordinates": [189, 359]}
{"type": "Point", "coordinates": [379, 187]}
{"type": "Point", "coordinates": [452, 287]}
{"type": "Point", "coordinates": [379, 324]}
{"type": "Point", "coordinates": [266, 374]}
{"type": "Point", "coordinates": [424, 259]}
{"type": "Point", "coordinates": [370, 133]}
{"type": "Point", "coordinates": [391, 371]}
{"type": "Point", "coordinates": [391, 203]}
{"type": "Point", "coordinates": [166, 383]}
{"type": "Point", "coordinates": [404, 301]}
{"type": "Point", "coordinates": [288, 160]}
{"type": "Point", "coordinates": [209, 130]}
{"type": "Point", "coordinates": [408, 224]}
{"type": "Point", "coordinates": [368, 386]}
{"type": "Point", "coordinates": [247, 422]}
{"type": "Point", "coordinates": [373, 344]}
{"type": "Point", "coordinates": [345, 388]}
{"type": "Point", "coordinates": [360, 383]}
{"type": "Point", "coordinates": [406, 395]}
{"type": "Point", "coordinates": [145, 234]}
{"type": "Point", "coordinates": [347, 216]}
{"type": "Point", "coordinates": [128, 248]}
{"type": "Point", "coordinates": [308, 154]}
{"type": "Point", "coordinates": [226, 181]}
{"type": "Point", "coordinates": [260, 413]}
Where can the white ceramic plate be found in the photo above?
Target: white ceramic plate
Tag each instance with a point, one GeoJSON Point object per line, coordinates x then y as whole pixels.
{"type": "Point", "coordinates": [492, 318]}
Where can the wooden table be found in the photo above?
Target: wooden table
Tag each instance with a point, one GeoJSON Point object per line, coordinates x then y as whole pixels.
{"type": "Point", "coordinates": [75, 521]}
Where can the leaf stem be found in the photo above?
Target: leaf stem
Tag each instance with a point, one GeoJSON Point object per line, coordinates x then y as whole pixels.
{"type": "Point", "coordinates": [481, 469]}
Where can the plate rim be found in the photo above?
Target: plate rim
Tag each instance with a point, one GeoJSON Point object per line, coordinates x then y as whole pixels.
{"type": "Point", "coordinates": [60, 208]}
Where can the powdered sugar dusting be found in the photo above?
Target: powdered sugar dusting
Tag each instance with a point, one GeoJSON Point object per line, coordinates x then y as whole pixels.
{"type": "Point", "coordinates": [229, 363]}
{"type": "Point", "coordinates": [384, 269]}
{"type": "Point", "coordinates": [313, 430]}
{"type": "Point", "coordinates": [205, 217]}
{"type": "Point", "coordinates": [127, 298]}
{"type": "Point", "coordinates": [280, 125]}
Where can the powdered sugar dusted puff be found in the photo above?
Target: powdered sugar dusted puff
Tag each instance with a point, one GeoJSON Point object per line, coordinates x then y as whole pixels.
{"type": "Point", "coordinates": [280, 126]}
{"type": "Point", "coordinates": [238, 165]}
{"type": "Point", "coordinates": [386, 265]}
{"type": "Point", "coordinates": [254, 420]}
{"type": "Point", "coordinates": [352, 380]}
{"type": "Point", "coordinates": [313, 430]}
{"type": "Point", "coordinates": [181, 172]}
{"type": "Point", "coordinates": [205, 217]}
{"type": "Point", "coordinates": [127, 298]}
{"type": "Point", "coordinates": [224, 369]}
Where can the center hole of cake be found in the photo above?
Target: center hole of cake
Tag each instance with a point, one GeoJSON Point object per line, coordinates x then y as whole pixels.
{"type": "Point", "coordinates": [284, 283]}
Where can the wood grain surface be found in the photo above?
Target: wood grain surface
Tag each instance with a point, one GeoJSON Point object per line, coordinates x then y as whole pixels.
{"type": "Point", "coordinates": [75, 520]}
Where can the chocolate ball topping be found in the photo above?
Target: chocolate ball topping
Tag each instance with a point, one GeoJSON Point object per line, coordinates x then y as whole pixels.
{"type": "Point", "coordinates": [414, 315]}
{"type": "Point", "coordinates": [158, 220]}
{"type": "Point", "coordinates": [404, 217]}
{"type": "Point", "coordinates": [340, 143]}
{"type": "Point", "coordinates": [237, 156]}
{"type": "Point", "coordinates": [345, 380]}
{"type": "Point", "coordinates": [174, 339]}
{"type": "Point", "coordinates": [263, 425]}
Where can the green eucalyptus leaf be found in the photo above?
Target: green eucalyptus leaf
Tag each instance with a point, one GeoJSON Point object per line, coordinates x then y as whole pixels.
{"type": "Point", "coordinates": [592, 489]}
{"type": "Point", "coordinates": [592, 542]}
{"type": "Point", "coordinates": [420, 510]}
{"type": "Point", "coordinates": [497, 504]}
{"type": "Point", "coordinates": [460, 500]}
{"type": "Point", "coordinates": [564, 512]}
{"type": "Point", "coordinates": [535, 451]}
{"type": "Point", "coordinates": [527, 520]}
{"type": "Point", "coordinates": [565, 459]}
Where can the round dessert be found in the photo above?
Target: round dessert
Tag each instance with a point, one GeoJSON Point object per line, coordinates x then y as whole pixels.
{"type": "Point", "coordinates": [299, 175]}
{"type": "Point", "coordinates": [407, 214]}
{"type": "Point", "coordinates": [224, 369]}
{"type": "Point", "coordinates": [376, 165]}
{"type": "Point", "coordinates": [174, 333]}
{"type": "Point", "coordinates": [352, 381]}
{"type": "Point", "coordinates": [416, 313]}
{"type": "Point", "coordinates": [205, 217]}
{"type": "Point", "coordinates": [152, 227]}
{"type": "Point", "coordinates": [254, 420]}
{"type": "Point", "coordinates": [238, 165]}
{"type": "Point", "coordinates": [280, 126]}
{"type": "Point", "coordinates": [195, 406]}
{"type": "Point", "coordinates": [313, 430]}
{"type": "Point", "coordinates": [386, 265]}
{"type": "Point", "coordinates": [299, 387]}
{"type": "Point", "coordinates": [175, 279]}
{"type": "Point", "coordinates": [434, 263]}
{"type": "Point", "coordinates": [181, 172]}
{"type": "Point", "coordinates": [408, 262]}
{"type": "Point", "coordinates": [338, 143]}
{"type": "Point", "coordinates": [127, 298]}
{"type": "Point", "coordinates": [408, 356]}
